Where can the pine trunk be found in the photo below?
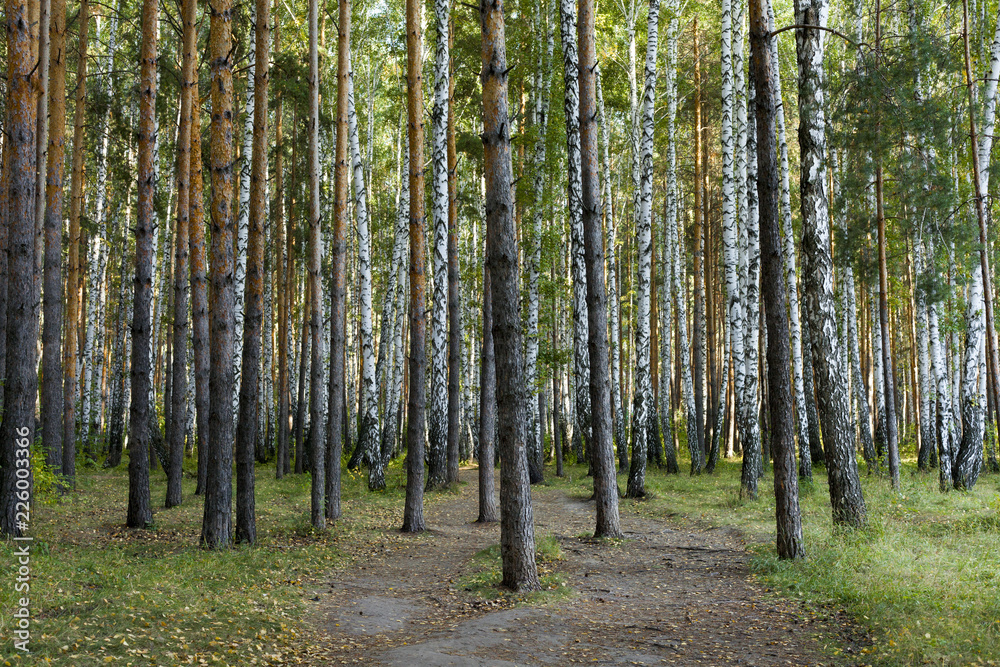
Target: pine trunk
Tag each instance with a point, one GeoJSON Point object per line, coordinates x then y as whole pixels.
{"type": "Point", "coordinates": [413, 513]}
{"type": "Point", "coordinates": [517, 534]}
{"type": "Point", "coordinates": [217, 523]}
{"type": "Point", "coordinates": [779, 390]}
{"type": "Point", "coordinates": [140, 513]}
{"type": "Point", "coordinates": [247, 422]}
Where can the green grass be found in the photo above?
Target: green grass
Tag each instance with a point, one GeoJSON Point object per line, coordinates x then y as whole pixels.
{"type": "Point", "coordinates": [484, 580]}
{"type": "Point", "coordinates": [103, 594]}
{"type": "Point", "coordinates": [923, 577]}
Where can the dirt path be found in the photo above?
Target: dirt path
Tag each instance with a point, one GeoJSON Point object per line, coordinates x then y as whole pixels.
{"type": "Point", "coordinates": [662, 596]}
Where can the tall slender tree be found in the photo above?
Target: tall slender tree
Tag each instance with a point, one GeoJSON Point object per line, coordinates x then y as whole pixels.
{"type": "Point", "coordinates": [199, 296]}
{"type": "Point", "coordinates": [779, 390]}
{"type": "Point", "coordinates": [818, 304]}
{"type": "Point", "coordinates": [317, 450]}
{"type": "Point", "coordinates": [70, 378]}
{"type": "Point", "coordinates": [178, 413]}
{"type": "Point", "coordinates": [52, 407]}
{"type": "Point", "coordinates": [140, 513]}
{"type": "Point", "coordinates": [437, 409]}
{"type": "Point", "coordinates": [246, 425]}
{"type": "Point", "coordinates": [571, 107]}
{"type": "Point", "coordinates": [643, 413]}
{"type": "Point", "coordinates": [216, 530]}
{"type": "Point", "coordinates": [517, 533]}
{"type": "Point", "coordinates": [602, 450]}
{"type": "Point", "coordinates": [413, 513]}
{"type": "Point", "coordinates": [454, 299]}
{"type": "Point", "coordinates": [488, 509]}
{"type": "Point", "coordinates": [18, 422]}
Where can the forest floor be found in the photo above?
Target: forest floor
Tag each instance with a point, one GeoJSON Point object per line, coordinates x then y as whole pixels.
{"type": "Point", "coordinates": [695, 581]}
{"type": "Point", "coordinates": [665, 594]}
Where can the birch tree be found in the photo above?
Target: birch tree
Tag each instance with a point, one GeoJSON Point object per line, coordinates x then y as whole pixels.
{"type": "Point", "coordinates": [818, 305]}
{"type": "Point", "coordinates": [571, 106]}
{"type": "Point", "coordinates": [368, 439]}
{"type": "Point", "coordinates": [643, 413]}
{"type": "Point", "coordinates": [437, 412]}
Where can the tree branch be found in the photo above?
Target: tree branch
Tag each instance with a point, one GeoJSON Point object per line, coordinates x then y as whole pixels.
{"type": "Point", "coordinates": [802, 26]}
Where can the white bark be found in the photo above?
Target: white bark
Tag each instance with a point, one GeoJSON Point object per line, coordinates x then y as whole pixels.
{"type": "Point", "coordinates": [581, 358]}
{"type": "Point", "coordinates": [368, 435]}
{"type": "Point", "coordinates": [752, 461]}
{"type": "Point", "coordinates": [969, 457]}
{"type": "Point", "coordinates": [792, 290]}
{"type": "Point", "coordinates": [680, 299]}
{"type": "Point", "coordinates": [243, 230]}
{"type": "Point", "coordinates": [540, 113]}
{"type": "Point", "coordinates": [643, 401]}
{"type": "Point", "coordinates": [612, 273]}
{"type": "Point", "coordinates": [939, 364]}
{"type": "Point", "coordinates": [437, 396]}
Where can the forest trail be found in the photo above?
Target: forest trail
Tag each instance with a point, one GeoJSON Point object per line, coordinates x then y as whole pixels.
{"type": "Point", "coordinates": [661, 596]}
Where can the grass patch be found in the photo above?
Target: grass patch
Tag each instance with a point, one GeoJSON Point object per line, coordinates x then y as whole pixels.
{"type": "Point", "coordinates": [923, 577]}
{"type": "Point", "coordinates": [484, 580]}
{"type": "Point", "coordinates": [104, 594]}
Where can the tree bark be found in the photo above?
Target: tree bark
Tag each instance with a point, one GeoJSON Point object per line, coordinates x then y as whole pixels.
{"type": "Point", "coordinates": [488, 510]}
{"type": "Point", "coordinates": [413, 513]}
{"type": "Point", "coordinates": [602, 451]}
{"type": "Point", "coordinates": [140, 513]}
{"type": "Point", "coordinates": [317, 451]}
{"type": "Point", "coordinates": [517, 533]}
{"type": "Point", "coordinates": [779, 391]}
{"type": "Point", "coordinates": [571, 106]}
{"type": "Point", "coordinates": [644, 413]}
{"type": "Point", "coordinates": [178, 412]}
{"type": "Point", "coordinates": [53, 410]}
{"type": "Point", "coordinates": [818, 306]}
{"type": "Point", "coordinates": [70, 380]}
{"type": "Point", "coordinates": [437, 473]}
{"type": "Point", "coordinates": [246, 425]}
{"type": "Point", "coordinates": [216, 531]}
{"type": "Point", "coordinates": [199, 297]}
{"type": "Point", "coordinates": [454, 301]}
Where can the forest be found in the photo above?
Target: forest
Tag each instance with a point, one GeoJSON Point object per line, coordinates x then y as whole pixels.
{"type": "Point", "coordinates": [511, 333]}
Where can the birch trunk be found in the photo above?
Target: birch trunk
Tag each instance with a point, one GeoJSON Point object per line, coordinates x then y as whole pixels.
{"type": "Point", "coordinates": [791, 282]}
{"type": "Point", "coordinates": [571, 105]}
{"type": "Point", "coordinates": [368, 437]}
{"type": "Point", "coordinates": [437, 409]}
{"type": "Point", "coordinates": [642, 416]}
{"type": "Point", "coordinates": [243, 221]}
{"type": "Point", "coordinates": [248, 425]}
{"type": "Point", "coordinates": [540, 112]}
{"type": "Point", "coordinates": [753, 467]}
{"type": "Point", "coordinates": [818, 305]}
{"type": "Point", "coordinates": [613, 298]}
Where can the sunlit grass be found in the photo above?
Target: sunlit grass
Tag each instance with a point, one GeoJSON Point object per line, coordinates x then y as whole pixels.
{"type": "Point", "coordinates": [102, 594]}
{"type": "Point", "coordinates": [923, 577]}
